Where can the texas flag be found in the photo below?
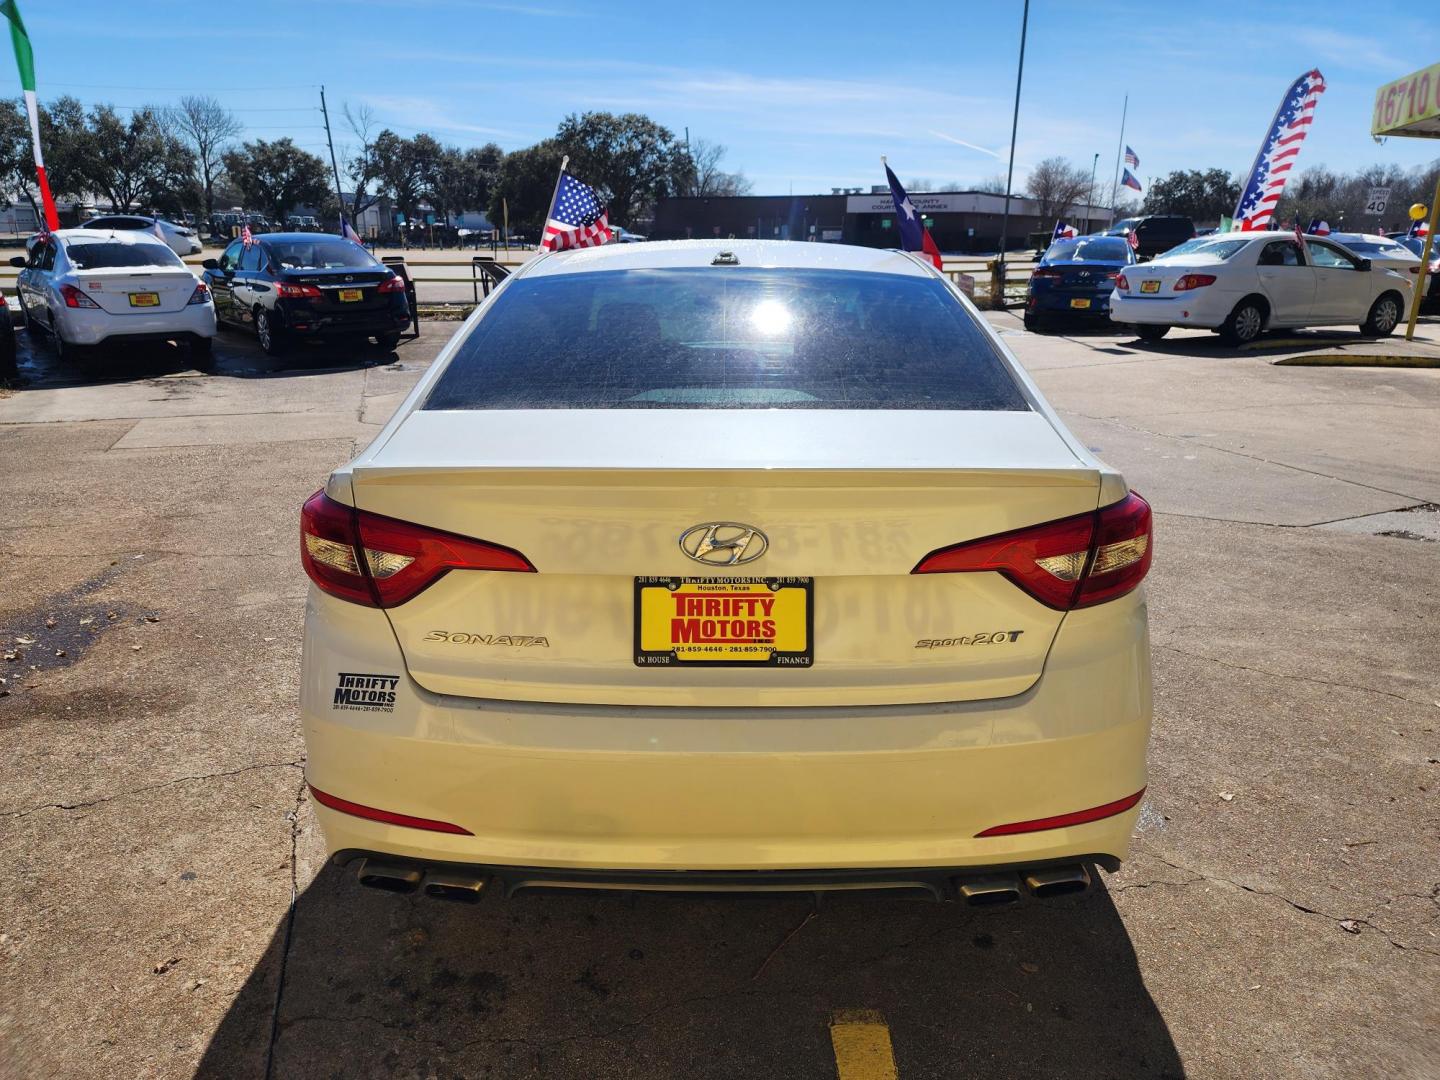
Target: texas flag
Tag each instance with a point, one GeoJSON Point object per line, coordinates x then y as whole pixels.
{"type": "Point", "coordinates": [1420, 228]}
{"type": "Point", "coordinates": [1319, 227]}
{"type": "Point", "coordinates": [913, 234]}
{"type": "Point", "coordinates": [1128, 180]}
{"type": "Point", "coordinates": [1062, 232]}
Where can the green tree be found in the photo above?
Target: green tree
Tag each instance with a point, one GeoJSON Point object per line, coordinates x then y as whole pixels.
{"type": "Point", "coordinates": [136, 163]}
{"type": "Point", "coordinates": [461, 180]}
{"type": "Point", "coordinates": [68, 142]}
{"type": "Point", "coordinates": [525, 184]}
{"type": "Point", "coordinates": [405, 168]}
{"type": "Point", "coordinates": [629, 159]}
{"type": "Point", "coordinates": [278, 176]}
{"type": "Point", "coordinates": [1203, 196]}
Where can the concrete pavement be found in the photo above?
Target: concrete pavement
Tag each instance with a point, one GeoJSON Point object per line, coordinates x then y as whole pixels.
{"type": "Point", "coordinates": [1280, 916]}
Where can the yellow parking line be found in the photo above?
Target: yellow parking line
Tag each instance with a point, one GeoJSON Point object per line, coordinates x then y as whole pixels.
{"type": "Point", "coordinates": [861, 1040]}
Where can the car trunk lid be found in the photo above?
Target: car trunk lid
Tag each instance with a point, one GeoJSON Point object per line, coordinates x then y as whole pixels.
{"type": "Point", "coordinates": [136, 290]}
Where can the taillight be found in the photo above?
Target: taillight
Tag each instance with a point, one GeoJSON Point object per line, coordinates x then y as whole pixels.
{"type": "Point", "coordinates": [1121, 282]}
{"type": "Point", "coordinates": [76, 298]}
{"type": "Point", "coordinates": [292, 291]}
{"type": "Point", "coordinates": [1071, 563]}
{"type": "Point", "coordinates": [201, 295]}
{"type": "Point", "coordinates": [394, 283]}
{"type": "Point", "coordinates": [381, 562]}
{"type": "Point", "coordinates": [1194, 281]}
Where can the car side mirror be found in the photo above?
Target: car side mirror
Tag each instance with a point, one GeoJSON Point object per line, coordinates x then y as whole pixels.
{"type": "Point", "coordinates": [211, 264]}
{"type": "Point", "coordinates": [1363, 264]}
{"type": "Point", "coordinates": [18, 260]}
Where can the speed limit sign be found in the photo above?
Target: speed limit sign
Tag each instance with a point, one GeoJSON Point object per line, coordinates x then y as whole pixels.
{"type": "Point", "coordinates": [1376, 201]}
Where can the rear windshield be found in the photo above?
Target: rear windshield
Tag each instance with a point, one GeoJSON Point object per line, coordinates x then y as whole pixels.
{"type": "Point", "coordinates": [726, 338]}
{"type": "Point", "coordinates": [1207, 245]}
{"type": "Point", "coordinates": [90, 255]}
{"type": "Point", "coordinates": [1388, 248]}
{"type": "Point", "coordinates": [319, 254]}
{"type": "Point", "coordinates": [1089, 249]}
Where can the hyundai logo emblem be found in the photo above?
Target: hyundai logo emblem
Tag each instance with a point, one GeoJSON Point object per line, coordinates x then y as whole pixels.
{"type": "Point", "coordinates": [723, 543]}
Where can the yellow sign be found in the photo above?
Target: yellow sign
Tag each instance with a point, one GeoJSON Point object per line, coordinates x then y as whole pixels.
{"type": "Point", "coordinates": [1409, 106]}
{"type": "Point", "coordinates": [682, 620]}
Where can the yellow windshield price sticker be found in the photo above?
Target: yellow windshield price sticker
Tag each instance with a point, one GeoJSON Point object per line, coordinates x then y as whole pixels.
{"type": "Point", "coordinates": [719, 621]}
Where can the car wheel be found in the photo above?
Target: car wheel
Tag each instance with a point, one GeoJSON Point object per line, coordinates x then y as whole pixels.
{"type": "Point", "coordinates": [1245, 323]}
{"type": "Point", "coordinates": [272, 338]}
{"type": "Point", "coordinates": [202, 353]}
{"type": "Point", "coordinates": [389, 341]}
{"type": "Point", "coordinates": [1151, 332]}
{"type": "Point", "coordinates": [1383, 318]}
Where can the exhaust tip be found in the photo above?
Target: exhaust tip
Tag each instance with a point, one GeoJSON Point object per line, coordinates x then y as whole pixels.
{"type": "Point", "coordinates": [396, 879]}
{"type": "Point", "coordinates": [455, 888]}
{"type": "Point", "coordinates": [1053, 881]}
{"type": "Point", "coordinates": [991, 890]}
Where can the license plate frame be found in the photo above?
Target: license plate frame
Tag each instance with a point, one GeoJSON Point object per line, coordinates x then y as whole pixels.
{"type": "Point", "coordinates": [655, 642]}
{"type": "Point", "coordinates": [1080, 303]}
{"type": "Point", "coordinates": [145, 299]}
{"type": "Point", "coordinates": [1150, 286]}
{"type": "Point", "coordinates": [351, 296]}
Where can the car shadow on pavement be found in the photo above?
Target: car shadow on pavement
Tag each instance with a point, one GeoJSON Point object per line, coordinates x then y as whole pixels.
{"type": "Point", "coordinates": [554, 985]}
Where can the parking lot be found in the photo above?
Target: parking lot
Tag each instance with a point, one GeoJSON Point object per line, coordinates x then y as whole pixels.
{"type": "Point", "coordinates": [168, 912]}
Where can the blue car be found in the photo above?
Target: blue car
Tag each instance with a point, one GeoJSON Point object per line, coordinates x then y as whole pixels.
{"type": "Point", "coordinates": [1074, 278]}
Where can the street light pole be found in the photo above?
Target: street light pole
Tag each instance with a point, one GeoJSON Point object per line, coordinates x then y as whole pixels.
{"type": "Point", "coordinates": [999, 301]}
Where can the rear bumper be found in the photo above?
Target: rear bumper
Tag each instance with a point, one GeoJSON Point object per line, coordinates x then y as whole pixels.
{"type": "Point", "coordinates": [87, 327]}
{"type": "Point", "coordinates": [1204, 308]}
{"type": "Point", "coordinates": [306, 322]}
{"type": "Point", "coordinates": [666, 789]}
{"type": "Point", "coordinates": [1058, 303]}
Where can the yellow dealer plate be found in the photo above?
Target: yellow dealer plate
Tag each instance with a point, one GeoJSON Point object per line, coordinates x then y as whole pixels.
{"type": "Point", "coordinates": [144, 299]}
{"type": "Point", "coordinates": [718, 621]}
{"type": "Point", "coordinates": [349, 296]}
{"type": "Point", "coordinates": [1149, 286]}
{"type": "Point", "coordinates": [1082, 302]}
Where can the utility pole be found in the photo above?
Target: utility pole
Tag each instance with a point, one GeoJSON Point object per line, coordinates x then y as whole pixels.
{"type": "Point", "coordinates": [999, 301]}
{"type": "Point", "coordinates": [1090, 199]}
{"type": "Point", "coordinates": [339, 195]}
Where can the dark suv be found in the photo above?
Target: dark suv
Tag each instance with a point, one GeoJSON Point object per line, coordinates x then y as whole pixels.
{"type": "Point", "coordinates": [307, 285]}
{"type": "Point", "coordinates": [1156, 233]}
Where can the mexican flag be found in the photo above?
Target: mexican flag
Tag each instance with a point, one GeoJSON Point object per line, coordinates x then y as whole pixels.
{"type": "Point", "coordinates": [25, 60]}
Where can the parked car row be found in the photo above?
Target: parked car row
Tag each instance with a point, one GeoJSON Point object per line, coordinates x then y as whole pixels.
{"type": "Point", "coordinates": [1237, 284]}
{"type": "Point", "coordinates": [89, 287]}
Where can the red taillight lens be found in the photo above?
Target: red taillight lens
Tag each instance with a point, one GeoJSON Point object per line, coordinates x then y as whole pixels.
{"type": "Point", "coordinates": [76, 298]}
{"type": "Point", "coordinates": [1061, 821]}
{"type": "Point", "coordinates": [1121, 282]}
{"type": "Point", "coordinates": [201, 295]}
{"type": "Point", "coordinates": [389, 817]}
{"type": "Point", "coordinates": [394, 283]}
{"type": "Point", "coordinates": [1194, 281]}
{"type": "Point", "coordinates": [1074, 562]}
{"type": "Point", "coordinates": [291, 291]}
{"type": "Point", "coordinates": [1046, 274]}
{"type": "Point", "coordinates": [381, 562]}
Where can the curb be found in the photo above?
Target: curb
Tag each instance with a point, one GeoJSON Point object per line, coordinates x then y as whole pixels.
{"type": "Point", "coordinates": [1393, 360]}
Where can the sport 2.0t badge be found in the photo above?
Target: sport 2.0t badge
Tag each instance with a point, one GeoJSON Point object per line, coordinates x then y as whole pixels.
{"type": "Point", "coordinates": [724, 543]}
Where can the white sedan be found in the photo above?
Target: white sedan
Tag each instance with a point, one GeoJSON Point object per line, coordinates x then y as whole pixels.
{"type": "Point", "coordinates": [745, 564]}
{"type": "Point", "coordinates": [181, 239]}
{"type": "Point", "coordinates": [87, 288]}
{"type": "Point", "coordinates": [1244, 284]}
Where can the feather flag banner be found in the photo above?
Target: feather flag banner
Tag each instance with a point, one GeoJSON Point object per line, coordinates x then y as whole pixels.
{"type": "Point", "coordinates": [25, 61]}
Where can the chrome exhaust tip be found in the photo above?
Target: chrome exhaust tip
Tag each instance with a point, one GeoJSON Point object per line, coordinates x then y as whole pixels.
{"type": "Point", "coordinates": [989, 890]}
{"type": "Point", "coordinates": [396, 879]}
{"type": "Point", "coordinates": [1052, 881]}
{"type": "Point", "coordinates": [454, 887]}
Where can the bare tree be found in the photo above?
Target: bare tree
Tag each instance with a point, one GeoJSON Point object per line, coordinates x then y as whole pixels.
{"type": "Point", "coordinates": [209, 129]}
{"type": "Point", "coordinates": [361, 167]}
{"type": "Point", "coordinates": [992, 185]}
{"type": "Point", "coordinates": [709, 179]}
{"type": "Point", "coordinates": [1055, 184]}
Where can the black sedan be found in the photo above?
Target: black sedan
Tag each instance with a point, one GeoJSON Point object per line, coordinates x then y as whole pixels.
{"type": "Point", "coordinates": [1074, 279]}
{"type": "Point", "coordinates": [288, 286]}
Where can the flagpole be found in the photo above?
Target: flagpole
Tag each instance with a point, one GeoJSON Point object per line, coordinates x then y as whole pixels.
{"type": "Point", "coordinates": [549, 210]}
{"type": "Point", "coordinates": [1115, 184]}
{"type": "Point", "coordinates": [999, 301]}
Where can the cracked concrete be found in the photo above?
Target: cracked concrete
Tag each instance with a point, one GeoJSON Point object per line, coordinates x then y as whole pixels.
{"type": "Point", "coordinates": [170, 907]}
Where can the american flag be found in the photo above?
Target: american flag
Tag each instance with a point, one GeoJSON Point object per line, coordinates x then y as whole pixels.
{"type": "Point", "coordinates": [246, 237]}
{"type": "Point", "coordinates": [1266, 183]}
{"type": "Point", "coordinates": [1131, 159]}
{"type": "Point", "coordinates": [576, 219]}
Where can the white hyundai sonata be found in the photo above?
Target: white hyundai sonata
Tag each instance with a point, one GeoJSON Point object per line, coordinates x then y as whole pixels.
{"type": "Point", "coordinates": [740, 565]}
{"type": "Point", "coordinates": [1242, 284]}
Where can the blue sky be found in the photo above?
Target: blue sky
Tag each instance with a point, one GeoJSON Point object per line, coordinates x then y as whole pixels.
{"type": "Point", "coordinates": [804, 94]}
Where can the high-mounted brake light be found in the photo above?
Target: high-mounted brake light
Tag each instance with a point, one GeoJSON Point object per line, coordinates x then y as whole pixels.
{"type": "Point", "coordinates": [381, 562]}
{"type": "Point", "coordinates": [1194, 281]}
{"type": "Point", "coordinates": [389, 817]}
{"type": "Point", "coordinates": [1071, 563]}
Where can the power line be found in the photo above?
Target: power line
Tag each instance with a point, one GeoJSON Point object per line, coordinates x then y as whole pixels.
{"type": "Point", "coordinates": [179, 89]}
